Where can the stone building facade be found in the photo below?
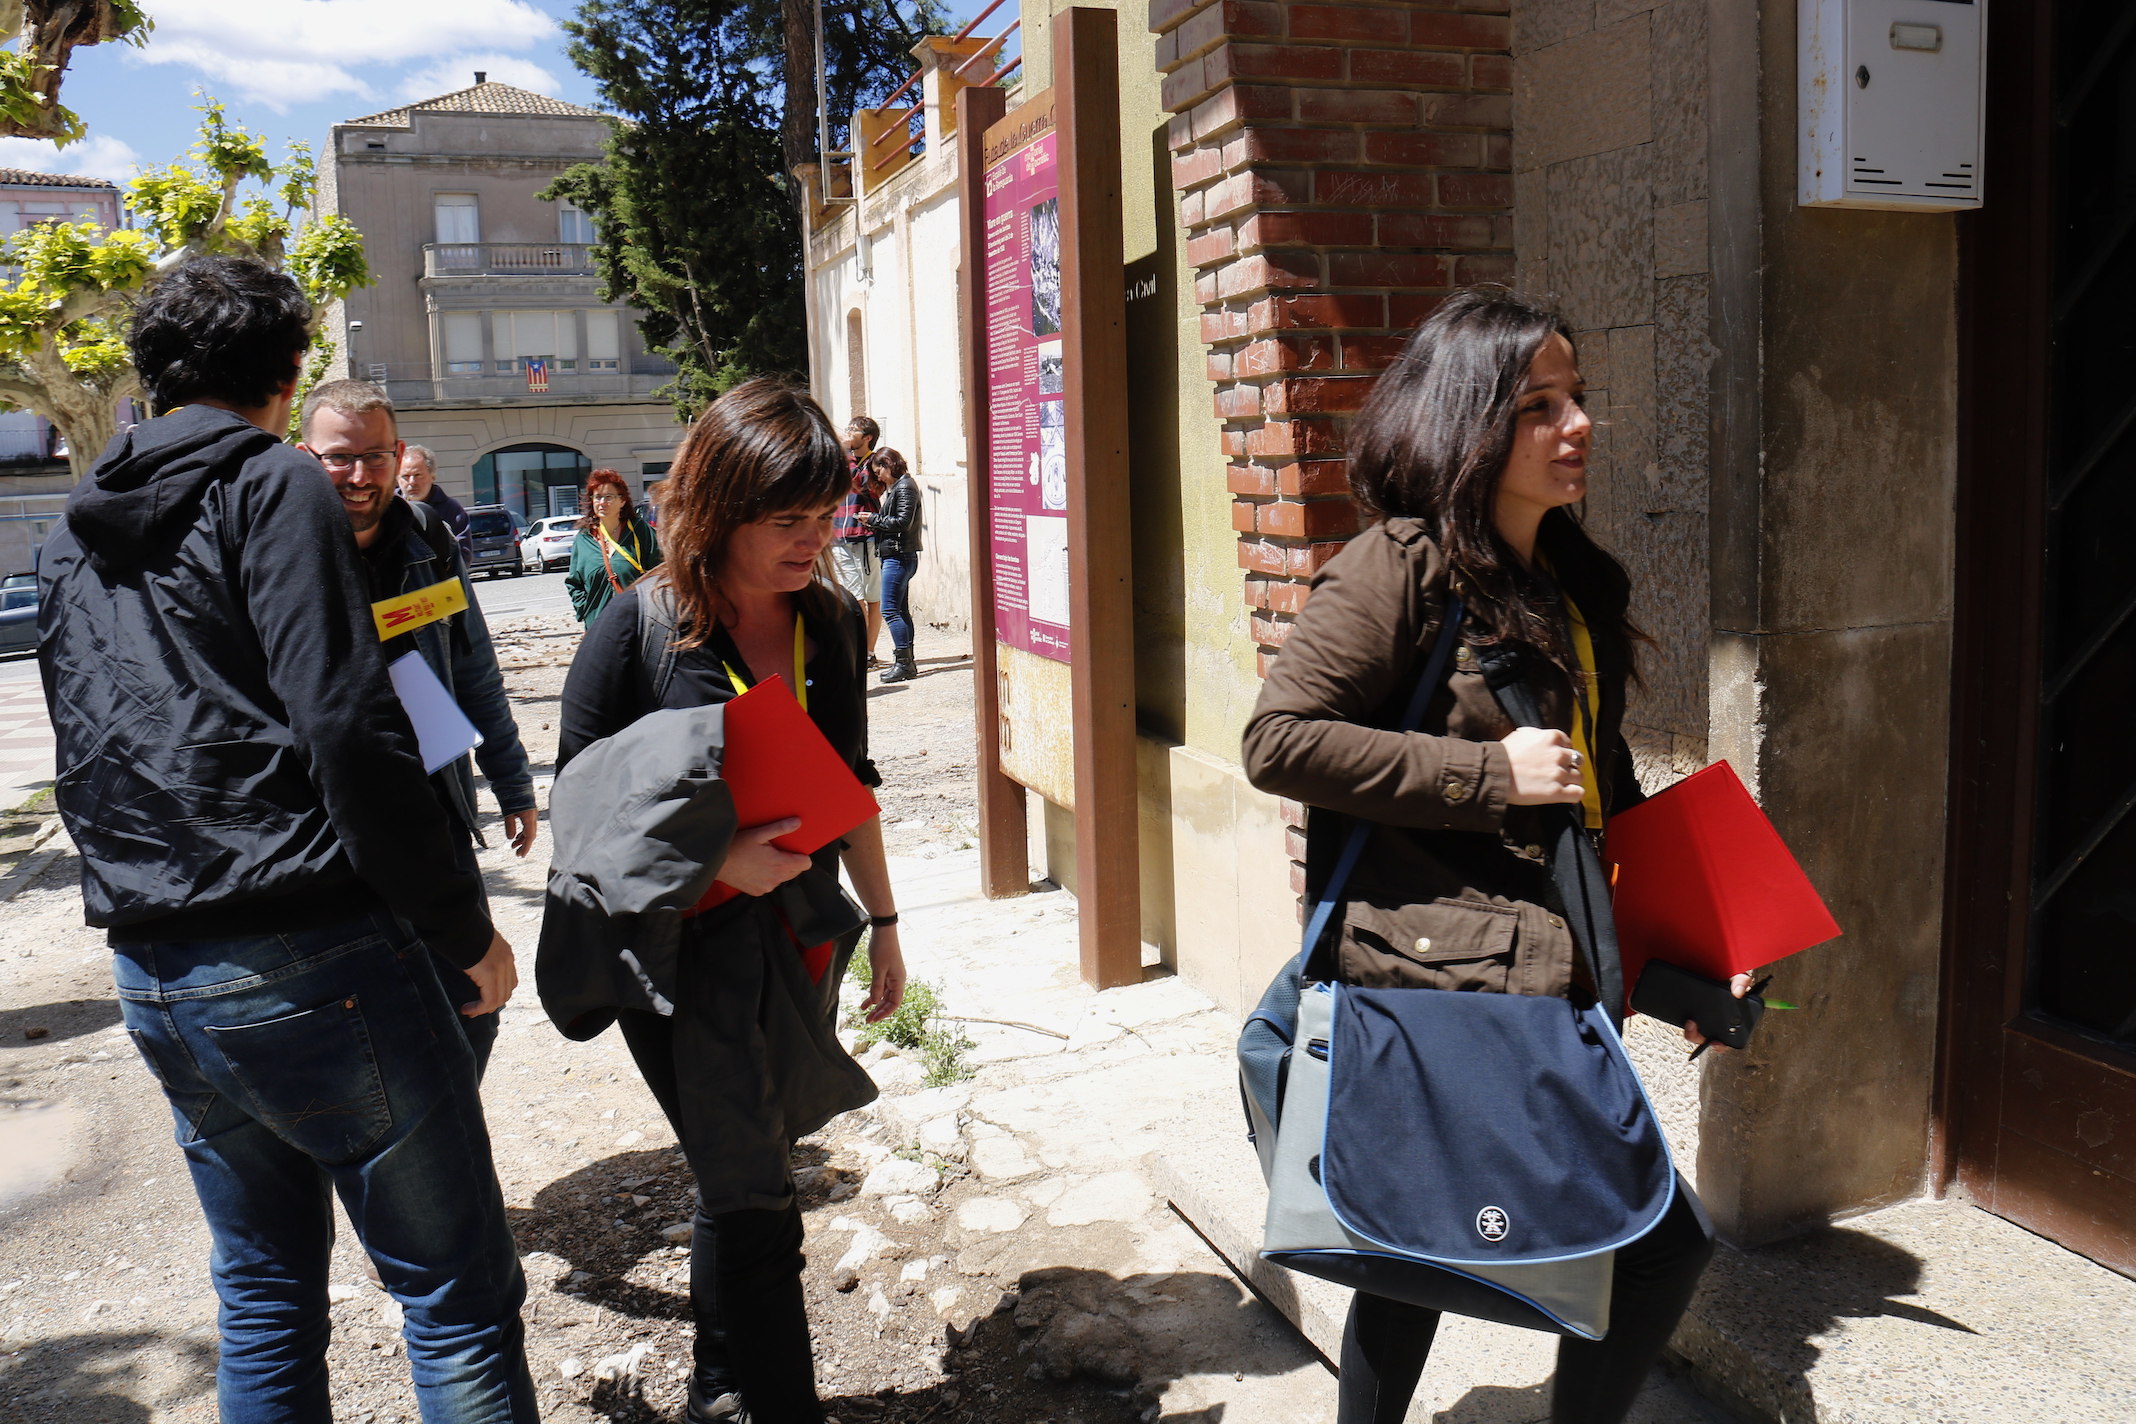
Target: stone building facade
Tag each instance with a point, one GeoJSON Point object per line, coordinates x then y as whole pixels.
{"type": "Point", "coordinates": [485, 322]}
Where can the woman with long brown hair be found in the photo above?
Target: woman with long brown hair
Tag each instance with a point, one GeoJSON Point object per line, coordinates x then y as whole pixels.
{"type": "Point", "coordinates": [747, 513]}
{"type": "Point", "coordinates": [614, 547]}
{"type": "Point", "coordinates": [1469, 459]}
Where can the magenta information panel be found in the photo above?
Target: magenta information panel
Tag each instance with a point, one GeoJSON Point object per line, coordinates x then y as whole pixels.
{"type": "Point", "coordinates": [1026, 426]}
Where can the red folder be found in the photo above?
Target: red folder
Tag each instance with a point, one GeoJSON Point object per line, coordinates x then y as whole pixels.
{"type": "Point", "coordinates": [1705, 882]}
{"type": "Point", "coordinates": [777, 764]}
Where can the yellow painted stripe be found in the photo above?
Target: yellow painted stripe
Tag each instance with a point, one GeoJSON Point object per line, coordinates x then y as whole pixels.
{"type": "Point", "coordinates": [410, 611]}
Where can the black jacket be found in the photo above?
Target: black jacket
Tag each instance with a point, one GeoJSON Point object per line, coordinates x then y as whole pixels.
{"type": "Point", "coordinates": [415, 551]}
{"type": "Point", "coordinates": [232, 759]}
{"type": "Point", "coordinates": [897, 524]}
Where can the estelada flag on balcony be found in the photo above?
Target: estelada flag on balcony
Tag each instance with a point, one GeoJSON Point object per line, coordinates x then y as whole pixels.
{"type": "Point", "coordinates": [537, 374]}
{"type": "Point", "coordinates": [1705, 882]}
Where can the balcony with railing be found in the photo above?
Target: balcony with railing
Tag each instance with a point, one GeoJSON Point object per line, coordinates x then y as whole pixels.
{"type": "Point", "coordinates": [416, 383]}
{"type": "Point", "coordinates": [507, 259]}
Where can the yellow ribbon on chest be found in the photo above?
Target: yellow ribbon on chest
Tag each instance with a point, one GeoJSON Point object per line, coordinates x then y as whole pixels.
{"type": "Point", "coordinates": [409, 611]}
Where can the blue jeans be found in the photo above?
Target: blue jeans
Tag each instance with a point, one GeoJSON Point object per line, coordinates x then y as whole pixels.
{"type": "Point", "coordinates": [325, 1060]}
{"type": "Point", "coordinates": [898, 573]}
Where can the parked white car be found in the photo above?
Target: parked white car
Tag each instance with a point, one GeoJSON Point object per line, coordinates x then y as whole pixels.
{"type": "Point", "coordinates": [548, 544]}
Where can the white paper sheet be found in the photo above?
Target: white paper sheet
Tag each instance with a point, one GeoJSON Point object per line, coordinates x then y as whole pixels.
{"type": "Point", "coordinates": [442, 732]}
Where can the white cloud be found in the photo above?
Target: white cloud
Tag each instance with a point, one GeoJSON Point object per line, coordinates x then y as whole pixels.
{"type": "Point", "coordinates": [283, 52]}
{"type": "Point", "coordinates": [98, 157]}
{"type": "Point", "coordinates": [456, 72]}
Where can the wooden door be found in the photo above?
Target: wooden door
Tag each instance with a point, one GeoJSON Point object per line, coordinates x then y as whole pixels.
{"type": "Point", "coordinates": [2039, 1087]}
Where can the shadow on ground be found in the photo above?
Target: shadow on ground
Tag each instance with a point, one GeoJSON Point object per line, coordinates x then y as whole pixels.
{"type": "Point", "coordinates": [1067, 1344]}
{"type": "Point", "coordinates": [60, 1021]}
{"type": "Point", "coordinates": [91, 1378]}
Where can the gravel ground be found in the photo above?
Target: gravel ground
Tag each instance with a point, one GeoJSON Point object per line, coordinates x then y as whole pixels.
{"type": "Point", "coordinates": [106, 1313]}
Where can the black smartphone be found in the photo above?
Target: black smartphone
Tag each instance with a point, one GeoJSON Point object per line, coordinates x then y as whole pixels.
{"type": "Point", "coordinates": [1677, 996]}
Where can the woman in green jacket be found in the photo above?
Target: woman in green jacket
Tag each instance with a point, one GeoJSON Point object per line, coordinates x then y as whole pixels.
{"type": "Point", "coordinates": [614, 548]}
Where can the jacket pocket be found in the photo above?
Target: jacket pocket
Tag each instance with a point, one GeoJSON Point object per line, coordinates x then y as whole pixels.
{"type": "Point", "coordinates": [1435, 944]}
{"type": "Point", "coordinates": [312, 1078]}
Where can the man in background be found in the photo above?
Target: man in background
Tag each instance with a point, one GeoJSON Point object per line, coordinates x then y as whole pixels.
{"type": "Point", "coordinates": [419, 484]}
{"type": "Point", "coordinates": [259, 840]}
{"type": "Point", "coordinates": [350, 428]}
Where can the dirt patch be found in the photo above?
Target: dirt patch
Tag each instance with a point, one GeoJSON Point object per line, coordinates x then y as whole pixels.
{"type": "Point", "coordinates": [106, 1312]}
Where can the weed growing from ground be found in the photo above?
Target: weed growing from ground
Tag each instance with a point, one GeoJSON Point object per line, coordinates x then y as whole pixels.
{"type": "Point", "coordinates": [912, 1029]}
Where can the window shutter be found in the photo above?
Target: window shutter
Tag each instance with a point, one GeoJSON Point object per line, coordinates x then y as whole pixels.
{"type": "Point", "coordinates": [603, 340]}
{"type": "Point", "coordinates": [463, 338]}
{"type": "Point", "coordinates": [458, 218]}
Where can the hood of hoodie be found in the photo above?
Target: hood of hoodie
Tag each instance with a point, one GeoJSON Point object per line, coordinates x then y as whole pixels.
{"type": "Point", "coordinates": [144, 493]}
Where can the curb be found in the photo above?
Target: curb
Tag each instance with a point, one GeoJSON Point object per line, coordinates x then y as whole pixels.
{"type": "Point", "coordinates": [42, 853]}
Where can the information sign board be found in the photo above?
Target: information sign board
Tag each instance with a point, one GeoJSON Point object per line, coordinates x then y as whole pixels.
{"type": "Point", "coordinates": [1026, 378]}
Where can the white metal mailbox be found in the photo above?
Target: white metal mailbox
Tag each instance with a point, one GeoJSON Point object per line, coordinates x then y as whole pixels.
{"type": "Point", "coordinates": [1892, 94]}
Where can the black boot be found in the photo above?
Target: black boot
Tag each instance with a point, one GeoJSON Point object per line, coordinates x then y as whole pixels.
{"type": "Point", "coordinates": [903, 669]}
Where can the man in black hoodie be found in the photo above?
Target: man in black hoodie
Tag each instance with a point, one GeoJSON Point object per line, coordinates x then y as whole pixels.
{"type": "Point", "coordinates": [259, 839]}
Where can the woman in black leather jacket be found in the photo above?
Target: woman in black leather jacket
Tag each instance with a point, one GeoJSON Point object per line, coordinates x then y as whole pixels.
{"type": "Point", "coordinates": [897, 544]}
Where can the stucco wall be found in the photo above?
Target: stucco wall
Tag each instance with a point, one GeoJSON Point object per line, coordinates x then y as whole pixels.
{"type": "Point", "coordinates": [388, 193]}
{"type": "Point", "coordinates": [894, 264]}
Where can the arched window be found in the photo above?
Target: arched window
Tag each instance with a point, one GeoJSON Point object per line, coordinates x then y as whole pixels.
{"type": "Point", "coordinates": [534, 480]}
{"type": "Point", "coordinates": [856, 366]}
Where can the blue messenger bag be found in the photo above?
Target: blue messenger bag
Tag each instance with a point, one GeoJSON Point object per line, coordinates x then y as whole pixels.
{"type": "Point", "coordinates": [1485, 1154]}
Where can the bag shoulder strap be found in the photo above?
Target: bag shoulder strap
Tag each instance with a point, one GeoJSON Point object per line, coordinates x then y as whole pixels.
{"type": "Point", "coordinates": [430, 525]}
{"type": "Point", "coordinates": [656, 636]}
{"type": "Point", "coordinates": [1442, 654]}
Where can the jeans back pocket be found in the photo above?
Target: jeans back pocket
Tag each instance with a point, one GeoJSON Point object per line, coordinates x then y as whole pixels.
{"type": "Point", "coordinates": [312, 1078]}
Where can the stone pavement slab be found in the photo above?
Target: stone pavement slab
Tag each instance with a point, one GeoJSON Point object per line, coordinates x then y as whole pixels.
{"type": "Point", "coordinates": [1101, 1125]}
{"type": "Point", "coordinates": [26, 743]}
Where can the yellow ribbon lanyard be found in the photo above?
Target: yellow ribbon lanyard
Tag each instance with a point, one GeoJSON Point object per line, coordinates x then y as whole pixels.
{"type": "Point", "coordinates": [410, 611]}
{"type": "Point", "coordinates": [1583, 651]}
{"type": "Point", "coordinates": [800, 688]}
{"type": "Point", "coordinates": [635, 561]}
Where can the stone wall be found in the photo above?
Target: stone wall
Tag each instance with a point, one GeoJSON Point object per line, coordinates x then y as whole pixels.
{"type": "Point", "coordinates": [1610, 138]}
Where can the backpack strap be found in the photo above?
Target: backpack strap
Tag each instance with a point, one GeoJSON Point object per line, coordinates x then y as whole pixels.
{"type": "Point", "coordinates": [436, 537]}
{"type": "Point", "coordinates": [1442, 654]}
{"type": "Point", "coordinates": [656, 636]}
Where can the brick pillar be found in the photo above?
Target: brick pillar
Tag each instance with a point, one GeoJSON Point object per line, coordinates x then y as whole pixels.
{"type": "Point", "coordinates": [1339, 167]}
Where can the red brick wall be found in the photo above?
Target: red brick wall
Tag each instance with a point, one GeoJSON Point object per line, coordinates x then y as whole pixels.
{"type": "Point", "coordinates": [1339, 167]}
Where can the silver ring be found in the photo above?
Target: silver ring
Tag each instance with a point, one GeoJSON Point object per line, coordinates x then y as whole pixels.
{"type": "Point", "coordinates": [1575, 761]}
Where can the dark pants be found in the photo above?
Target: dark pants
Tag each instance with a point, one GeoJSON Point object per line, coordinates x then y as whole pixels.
{"type": "Point", "coordinates": [1385, 1342]}
{"type": "Point", "coordinates": [898, 573]}
{"type": "Point", "coordinates": [319, 1063]}
{"type": "Point", "coordinates": [745, 1274]}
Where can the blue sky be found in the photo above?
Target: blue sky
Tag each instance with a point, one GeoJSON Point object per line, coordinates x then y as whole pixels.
{"type": "Point", "coordinates": [289, 69]}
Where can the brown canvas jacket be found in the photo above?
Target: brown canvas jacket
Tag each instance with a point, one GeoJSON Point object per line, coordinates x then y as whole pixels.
{"type": "Point", "coordinates": [1452, 890]}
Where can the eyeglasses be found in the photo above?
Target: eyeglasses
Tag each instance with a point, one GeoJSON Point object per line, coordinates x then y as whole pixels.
{"type": "Point", "coordinates": [373, 461]}
{"type": "Point", "coordinates": [608, 499]}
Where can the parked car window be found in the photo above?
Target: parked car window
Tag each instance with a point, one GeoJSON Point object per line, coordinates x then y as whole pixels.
{"type": "Point", "coordinates": [18, 598]}
{"type": "Point", "coordinates": [497, 525]}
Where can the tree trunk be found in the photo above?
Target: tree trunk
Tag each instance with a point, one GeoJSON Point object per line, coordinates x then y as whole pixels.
{"type": "Point", "coordinates": [797, 130]}
{"type": "Point", "coordinates": [86, 416]}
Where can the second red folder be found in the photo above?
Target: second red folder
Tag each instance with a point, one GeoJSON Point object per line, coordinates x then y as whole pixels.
{"type": "Point", "coordinates": [777, 764]}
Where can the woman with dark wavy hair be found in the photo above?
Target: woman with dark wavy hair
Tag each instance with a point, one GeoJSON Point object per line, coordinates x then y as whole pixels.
{"type": "Point", "coordinates": [1469, 458]}
{"type": "Point", "coordinates": [743, 595]}
{"type": "Point", "coordinates": [613, 550]}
